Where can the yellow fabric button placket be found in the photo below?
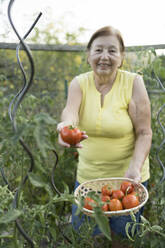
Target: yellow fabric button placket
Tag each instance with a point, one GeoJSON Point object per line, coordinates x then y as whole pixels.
{"type": "Point", "coordinates": [98, 123]}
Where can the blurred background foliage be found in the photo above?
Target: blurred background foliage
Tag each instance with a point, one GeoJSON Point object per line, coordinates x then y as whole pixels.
{"type": "Point", "coordinates": [37, 118]}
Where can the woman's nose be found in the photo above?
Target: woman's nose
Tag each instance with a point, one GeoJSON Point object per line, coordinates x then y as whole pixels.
{"type": "Point", "coordinates": [105, 54]}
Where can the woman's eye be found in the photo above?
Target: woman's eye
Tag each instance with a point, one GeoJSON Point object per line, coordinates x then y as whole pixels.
{"type": "Point", "coordinates": [98, 50]}
{"type": "Point", "coordinates": [112, 51]}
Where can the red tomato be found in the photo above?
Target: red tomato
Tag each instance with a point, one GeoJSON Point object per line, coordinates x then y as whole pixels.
{"type": "Point", "coordinates": [105, 207]}
{"type": "Point", "coordinates": [115, 205]}
{"type": "Point", "coordinates": [130, 201]}
{"type": "Point", "coordinates": [126, 187]}
{"type": "Point", "coordinates": [88, 203]}
{"type": "Point", "coordinates": [134, 193]}
{"type": "Point", "coordinates": [117, 194]}
{"type": "Point", "coordinates": [71, 135]}
{"type": "Point", "coordinates": [105, 198]}
{"type": "Point", "coordinates": [106, 190]}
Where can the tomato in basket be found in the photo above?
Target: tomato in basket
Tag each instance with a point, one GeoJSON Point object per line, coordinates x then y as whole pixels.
{"type": "Point", "coordinates": [130, 201]}
{"type": "Point", "coordinates": [88, 203]}
{"type": "Point", "coordinates": [105, 198]}
{"type": "Point", "coordinates": [105, 207]}
{"type": "Point", "coordinates": [126, 187]}
{"type": "Point", "coordinates": [117, 194]}
{"type": "Point", "coordinates": [134, 193]}
{"type": "Point", "coordinates": [71, 135]}
{"type": "Point", "coordinates": [106, 190]}
{"type": "Point", "coordinates": [115, 205]}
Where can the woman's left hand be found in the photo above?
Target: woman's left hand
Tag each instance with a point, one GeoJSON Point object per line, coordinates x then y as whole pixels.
{"type": "Point", "coordinates": [134, 174]}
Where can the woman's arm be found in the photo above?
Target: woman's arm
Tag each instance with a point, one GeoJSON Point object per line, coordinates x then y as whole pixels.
{"type": "Point", "coordinates": [140, 114]}
{"type": "Point", "coordinates": [70, 114]}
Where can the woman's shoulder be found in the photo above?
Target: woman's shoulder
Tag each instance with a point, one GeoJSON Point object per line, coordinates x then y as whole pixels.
{"type": "Point", "coordinates": [85, 79]}
{"type": "Point", "coordinates": [85, 75]}
{"type": "Point", "coordinates": [127, 78]}
{"type": "Point", "coordinates": [127, 73]}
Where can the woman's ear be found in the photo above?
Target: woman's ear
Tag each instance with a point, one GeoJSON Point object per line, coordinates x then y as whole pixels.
{"type": "Point", "coordinates": [88, 61]}
{"type": "Point", "coordinates": [122, 59]}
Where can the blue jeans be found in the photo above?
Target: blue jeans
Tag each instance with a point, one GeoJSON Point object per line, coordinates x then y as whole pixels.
{"type": "Point", "coordinates": [117, 223]}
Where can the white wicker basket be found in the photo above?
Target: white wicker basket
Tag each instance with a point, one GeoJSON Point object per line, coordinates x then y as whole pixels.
{"type": "Point", "coordinates": [97, 184]}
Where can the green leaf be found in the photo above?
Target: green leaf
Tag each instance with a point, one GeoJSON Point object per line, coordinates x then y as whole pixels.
{"type": "Point", "coordinates": [127, 230]}
{"type": "Point", "coordinates": [36, 180]}
{"type": "Point", "coordinates": [66, 188]}
{"type": "Point", "coordinates": [19, 133]}
{"type": "Point", "coordinates": [144, 233]}
{"type": "Point", "coordinates": [157, 228]}
{"type": "Point", "coordinates": [144, 220]}
{"type": "Point", "coordinates": [49, 190]}
{"type": "Point", "coordinates": [53, 233]}
{"type": "Point", "coordinates": [102, 222]}
{"type": "Point", "coordinates": [133, 217]}
{"type": "Point", "coordinates": [42, 219]}
{"type": "Point", "coordinates": [162, 72]}
{"type": "Point", "coordinates": [6, 235]}
{"type": "Point", "coordinates": [133, 229]}
{"type": "Point", "coordinates": [45, 118]}
{"type": "Point", "coordinates": [10, 216]}
{"type": "Point", "coordinates": [41, 134]}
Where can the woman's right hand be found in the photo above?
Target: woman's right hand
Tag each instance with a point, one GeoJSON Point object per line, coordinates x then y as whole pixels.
{"type": "Point", "coordinates": [60, 140]}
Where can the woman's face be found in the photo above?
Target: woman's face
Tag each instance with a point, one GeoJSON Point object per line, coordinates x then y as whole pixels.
{"type": "Point", "coordinates": [105, 56]}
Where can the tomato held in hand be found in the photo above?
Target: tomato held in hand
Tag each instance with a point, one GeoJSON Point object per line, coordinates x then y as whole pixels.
{"type": "Point", "coordinates": [106, 190]}
{"type": "Point", "coordinates": [130, 201]}
{"type": "Point", "coordinates": [117, 194]}
{"type": "Point", "coordinates": [71, 135]}
{"type": "Point", "coordinates": [115, 205]}
{"type": "Point", "coordinates": [127, 187]}
{"type": "Point", "coordinates": [89, 203]}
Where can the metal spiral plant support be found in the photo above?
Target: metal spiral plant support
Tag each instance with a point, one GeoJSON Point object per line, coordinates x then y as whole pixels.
{"type": "Point", "coordinates": [14, 106]}
{"type": "Point", "coordinates": [59, 193]}
{"type": "Point", "coordinates": [163, 130]}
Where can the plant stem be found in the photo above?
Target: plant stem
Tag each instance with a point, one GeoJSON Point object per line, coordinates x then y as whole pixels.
{"type": "Point", "coordinates": [15, 237]}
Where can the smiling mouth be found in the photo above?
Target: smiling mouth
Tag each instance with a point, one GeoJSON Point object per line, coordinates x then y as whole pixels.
{"type": "Point", "coordinates": [104, 66]}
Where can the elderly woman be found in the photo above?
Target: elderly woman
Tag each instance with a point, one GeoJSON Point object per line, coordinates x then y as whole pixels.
{"type": "Point", "coordinates": [112, 108]}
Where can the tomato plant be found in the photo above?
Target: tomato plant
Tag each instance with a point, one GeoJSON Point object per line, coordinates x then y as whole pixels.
{"type": "Point", "coordinates": [71, 135]}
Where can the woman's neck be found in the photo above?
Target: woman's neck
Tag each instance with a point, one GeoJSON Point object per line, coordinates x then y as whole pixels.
{"type": "Point", "coordinates": [105, 79]}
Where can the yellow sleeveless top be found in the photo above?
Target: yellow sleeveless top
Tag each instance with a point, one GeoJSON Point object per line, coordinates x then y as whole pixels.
{"type": "Point", "coordinates": [108, 150]}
